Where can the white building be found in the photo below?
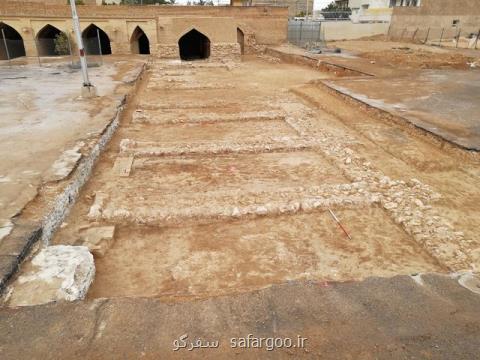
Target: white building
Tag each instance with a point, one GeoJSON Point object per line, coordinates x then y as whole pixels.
{"type": "Point", "coordinates": [376, 10]}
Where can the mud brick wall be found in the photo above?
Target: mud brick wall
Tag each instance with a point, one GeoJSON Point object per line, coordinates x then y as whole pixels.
{"type": "Point", "coordinates": [163, 25]}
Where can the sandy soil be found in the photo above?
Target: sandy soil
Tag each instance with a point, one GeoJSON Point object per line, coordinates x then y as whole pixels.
{"type": "Point", "coordinates": [194, 220]}
{"type": "Point", "coordinates": [409, 56]}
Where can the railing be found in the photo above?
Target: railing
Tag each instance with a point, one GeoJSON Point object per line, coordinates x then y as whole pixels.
{"type": "Point", "coordinates": [305, 33]}
{"type": "Point", "coordinates": [332, 15]}
{"type": "Point", "coordinates": [452, 37]}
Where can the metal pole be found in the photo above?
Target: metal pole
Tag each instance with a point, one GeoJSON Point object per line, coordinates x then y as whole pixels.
{"type": "Point", "coordinates": [67, 34]}
{"type": "Point", "coordinates": [458, 37]}
{"type": "Point", "coordinates": [36, 47]}
{"type": "Point", "coordinates": [441, 37]}
{"type": "Point", "coordinates": [301, 29]}
{"type": "Point", "coordinates": [414, 34]}
{"type": "Point", "coordinates": [426, 38]}
{"type": "Point", "coordinates": [319, 40]}
{"type": "Point", "coordinates": [99, 46]}
{"type": "Point", "coordinates": [81, 50]}
{"type": "Point", "coordinates": [6, 47]}
{"type": "Point", "coordinates": [476, 40]}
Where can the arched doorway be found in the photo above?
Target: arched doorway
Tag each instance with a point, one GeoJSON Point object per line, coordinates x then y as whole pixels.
{"type": "Point", "coordinates": [139, 43]}
{"type": "Point", "coordinates": [51, 41]}
{"type": "Point", "coordinates": [14, 42]}
{"type": "Point", "coordinates": [90, 41]}
{"type": "Point", "coordinates": [194, 46]}
{"type": "Point", "coordinates": [241, 40]}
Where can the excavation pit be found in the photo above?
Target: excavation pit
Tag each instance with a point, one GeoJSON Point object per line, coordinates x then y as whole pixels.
{"type": "Point", "coordinates": [205, 131]}
{"type": "Point", "coordinates": [232, 172]}
{"type": "Point", "coordinates": [245, 255]}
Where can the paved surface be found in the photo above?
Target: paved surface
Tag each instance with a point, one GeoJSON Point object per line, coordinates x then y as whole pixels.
{"type": "Point", "coordinates": [394, 318]}
{"type": "Point", "coordinates": [44, 126]}
{"type": "Point", "coordinates": [443, 102]}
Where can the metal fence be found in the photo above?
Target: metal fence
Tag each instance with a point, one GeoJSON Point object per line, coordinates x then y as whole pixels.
{"type": "Point", "coordinates": [10, 49]}
{"type": "Point", "coordinates": [305, 33]}
{"type": "Point", "coordinates": [332, 15]}
{"type": "Point", "coordinates": [446, 37]}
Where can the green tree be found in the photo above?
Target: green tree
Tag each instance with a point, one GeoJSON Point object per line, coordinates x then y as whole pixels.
{"type": "Point", "coordinates": [77, 2]}
{"type": "Point", "coordinates": [61, 44]}
{"type": "Point", "coordinates": [335, 11]}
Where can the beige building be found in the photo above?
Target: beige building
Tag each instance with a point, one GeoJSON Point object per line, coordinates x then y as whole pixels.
{"type": "Point", "coordinates": [165, 31]}
{"type": "Point", "coordinates": [295, 7]}
{"type": "Point", "coordinates": [434, 17]}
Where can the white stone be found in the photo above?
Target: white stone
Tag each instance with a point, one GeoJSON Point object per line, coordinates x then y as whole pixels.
{"type": "Point", "coordinates": [99, 239]}
{"type": "Point", "coordinates": [419, 203]}
{"type": "Point", "coordinates": [390, 205]}
{"type": "Point", "coordinates": [261, 210]}
{"type": "Point", "coordinates": [96, 209]}
{"type": "Point", "coordinates": [56, 273]}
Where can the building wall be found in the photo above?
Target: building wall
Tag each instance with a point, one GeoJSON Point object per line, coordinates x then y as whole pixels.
{"type": "Point", "coordinates": [371, 10]}
{"type": "Point", "coordinates": [295, 7]}
{"type": "Point", "coordinates": [163, 25]}
{"type": "Point", "coordinates": [438, 14]}
{"type": "Point", "coordinates": [53, 2]}
{"type": "Point", "coordinates": [346, 30]}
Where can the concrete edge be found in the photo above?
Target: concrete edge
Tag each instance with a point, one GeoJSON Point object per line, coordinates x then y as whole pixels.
{"type": "Point", "coordinates": [390, 117]}
{"type": "Point", "coordinates": [311, 61]}
{"type": "Point", "coordinates": [423, 129]}
{"type": "Point", "coordinates": [14, 249]}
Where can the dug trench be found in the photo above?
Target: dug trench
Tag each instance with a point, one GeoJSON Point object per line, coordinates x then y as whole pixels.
{"type": "Point", "coordinates": [229, 178]}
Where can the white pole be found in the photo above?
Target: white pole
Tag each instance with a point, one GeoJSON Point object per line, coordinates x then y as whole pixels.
{"type": "Point", "coordinates": [81, 50]}
{"type": "Point", "coordinates": [6, 47]}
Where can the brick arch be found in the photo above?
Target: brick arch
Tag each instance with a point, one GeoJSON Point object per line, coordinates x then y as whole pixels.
{"type": "Point", "coordinates": [15, 42]}
{"type": "Point", "coordinates": [194, 45]}
{"type": "Point", "coordinates": [14, 26]}
{"type": "Point", "coordinates": [90, 40]}
{"type": "Point", "coordinates": [45, 39]}
{"type": "Point", "coordinates": [139, 41]}
{"type": "Point", "coordinates": [250, 43]}
{"type": "Point", "coordinates": [197, 28]}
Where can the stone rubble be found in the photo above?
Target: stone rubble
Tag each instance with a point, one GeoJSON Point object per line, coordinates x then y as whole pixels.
{"type": "Point", "coordinates": [57, 273]}
{"type": "Point", "coordinates": [98, 239]}
{"type": "Point", "coordinates": [256, 145]}
{"type": "Point", "coordinates": [155, 117]}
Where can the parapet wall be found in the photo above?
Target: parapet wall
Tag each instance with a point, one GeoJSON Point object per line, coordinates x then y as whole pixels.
{"type": "Point", "coordinates": [163, 25]}
{"type": "Point", "coordinates": [438, 14]}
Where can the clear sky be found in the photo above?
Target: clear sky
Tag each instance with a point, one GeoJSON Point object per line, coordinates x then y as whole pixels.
{"type": "Point", "coordinates": [320, 4]}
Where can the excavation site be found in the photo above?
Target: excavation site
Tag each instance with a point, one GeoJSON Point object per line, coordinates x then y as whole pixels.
{"type": "Point", "coordinates": [216, 191]}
